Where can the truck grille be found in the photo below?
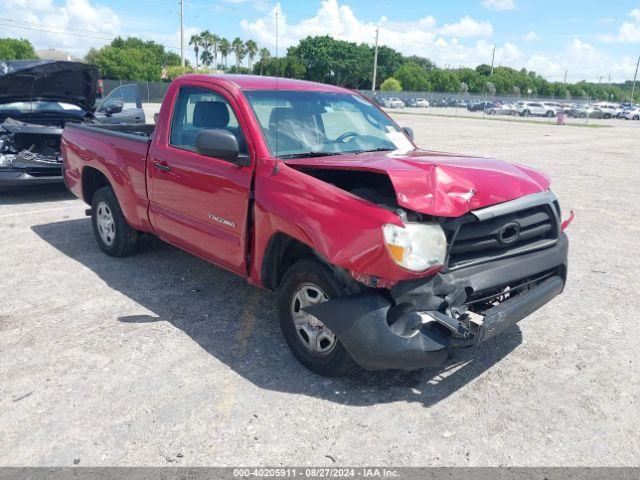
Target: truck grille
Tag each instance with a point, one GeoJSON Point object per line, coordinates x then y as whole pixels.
{"type": "Point", "coordinates": [511, 234]}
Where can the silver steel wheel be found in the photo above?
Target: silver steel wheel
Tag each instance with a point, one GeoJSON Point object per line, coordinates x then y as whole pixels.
{"type": "Point", "coordinates": [311, 332]}
{"type": "Point", "coordinates": [105, 223]}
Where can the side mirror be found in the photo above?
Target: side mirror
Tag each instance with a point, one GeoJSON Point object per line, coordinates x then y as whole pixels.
{"type": "Point", "coordinates": [112, 107]}
{"type": "Point", "coordinates": [220, 143]}
{"type": "Point", "coordinates": [408, 132]}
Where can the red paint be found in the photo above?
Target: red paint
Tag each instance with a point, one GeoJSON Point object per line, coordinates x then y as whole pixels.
{"type": "Point", "coordinates": [568, 221]}
{"type": "Point", "coordinates": [340, 227]}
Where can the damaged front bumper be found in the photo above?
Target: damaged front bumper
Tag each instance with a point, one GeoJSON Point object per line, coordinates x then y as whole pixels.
{"type": "Point", "coordinates": [423, 319]}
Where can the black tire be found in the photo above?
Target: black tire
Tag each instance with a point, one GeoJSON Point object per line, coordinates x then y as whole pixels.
{"type": "Point", "coordinates": [636, 117]}
{"type": "Point", "coordinates": [607, 116]}
{"type": "Point", "coordinates": [550, 114]}
{"type": "Point", "coordinates": [526, 113]}
{"type": "Point", "coordinates": [124, 239]}
{"type": "Point", "coordinates": [337, 362]}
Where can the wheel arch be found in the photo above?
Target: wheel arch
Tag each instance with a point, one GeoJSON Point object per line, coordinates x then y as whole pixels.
{"type": "Point", "coordinates": [92, 180]}
{"type": "Point", "coordinates": [281, 253]}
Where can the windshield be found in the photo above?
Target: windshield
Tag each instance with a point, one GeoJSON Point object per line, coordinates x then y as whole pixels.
{"type": "Point", "coordinates": [298, 124]}
{"type": "Point", "coordinates": [26, 107]}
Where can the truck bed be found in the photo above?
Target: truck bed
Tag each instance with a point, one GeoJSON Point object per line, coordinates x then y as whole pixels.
{"type": "Point", "coordinates": [136, 132]}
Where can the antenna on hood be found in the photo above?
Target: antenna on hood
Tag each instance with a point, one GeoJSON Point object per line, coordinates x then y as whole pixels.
{"type": "Point", "coordinates": [275, 165]}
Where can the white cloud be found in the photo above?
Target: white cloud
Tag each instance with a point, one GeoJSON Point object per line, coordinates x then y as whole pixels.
{"type": "Point", "coordinates": [530, 37]}
{"type": "Point", "coordinates": [628, 32]}
{"type": "Point", "coordinates": [466, 27]}
{"type": "Point", "coordinates": [74, 26]}
{"type": "Point", "coordinates": [499, 5]}
{"type": "Point", "coordinates": [582, 61]}
{"type": "Point", "coordinates": [420, 37]}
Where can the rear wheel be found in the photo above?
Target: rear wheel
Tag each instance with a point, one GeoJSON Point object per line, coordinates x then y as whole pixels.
{"type": "Point", "coordinates": [636, 117]}
{"type": "Point", "coordinates": [306, 283]}
{"type": "Point", "coordinates": [114, 235]}
{"type": "Point", "coordinates": [526, 113]}
{"type": "Point", "coordinates": [550, 114]}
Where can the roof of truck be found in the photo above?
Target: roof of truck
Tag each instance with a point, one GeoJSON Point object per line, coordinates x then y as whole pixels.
{"type": "Point", "coordinates": [257, 82]}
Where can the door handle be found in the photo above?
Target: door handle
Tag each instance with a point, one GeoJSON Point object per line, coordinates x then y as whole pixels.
{"type": "Point", "coordinates": [163, 167]}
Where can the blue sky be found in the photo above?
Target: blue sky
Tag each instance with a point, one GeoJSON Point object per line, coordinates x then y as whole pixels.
{"type": "Point", "coordinates": [588, 39]}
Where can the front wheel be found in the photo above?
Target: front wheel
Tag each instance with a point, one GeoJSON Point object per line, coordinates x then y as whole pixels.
{"type": "Point", "coordinates": [550, 114]}
{"type": "Point", "coordinates": [306, 283]}
{"type": "Point", "coordinates": [114, 235]}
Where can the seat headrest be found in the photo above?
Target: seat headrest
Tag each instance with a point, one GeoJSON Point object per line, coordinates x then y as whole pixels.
{"type": "Point", "coordinates": [207, 114]}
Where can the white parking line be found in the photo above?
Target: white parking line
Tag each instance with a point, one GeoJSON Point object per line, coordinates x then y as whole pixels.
{"type": "Point", "coordinates": [30, 212]}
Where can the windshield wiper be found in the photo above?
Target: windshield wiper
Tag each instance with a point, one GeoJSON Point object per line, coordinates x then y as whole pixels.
{"type": "Point", "coordinates": [381, 149]}
{"type": "Point", "coordinates": [309, 154]}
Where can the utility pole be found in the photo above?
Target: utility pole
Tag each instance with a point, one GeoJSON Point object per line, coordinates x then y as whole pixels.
{"type": "Point", "coordinates": [565, 77]}
{"type": "Point", "coordinates": [600, 80]}
{"type": "Point", "coordinates": [493, 57]}
{"type": "Point", "coordinates": [375, 63]}
{"type": "Point", "coordinates": [633, 89]}
{"type": "Point", "coordinates": [181, 32]}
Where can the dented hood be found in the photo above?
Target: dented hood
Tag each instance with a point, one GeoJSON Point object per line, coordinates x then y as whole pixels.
{"type": "Point", "coordinates": [440, 184]}
{"type": "Point", "coordinates": [55, 81]}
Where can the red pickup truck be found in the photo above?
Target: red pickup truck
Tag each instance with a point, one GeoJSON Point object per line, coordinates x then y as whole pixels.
{"type": "Point", "coordinates": [382, 254]}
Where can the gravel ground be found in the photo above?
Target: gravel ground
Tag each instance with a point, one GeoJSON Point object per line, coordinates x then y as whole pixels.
{"type": "Point", "coordinates": [163, 359]}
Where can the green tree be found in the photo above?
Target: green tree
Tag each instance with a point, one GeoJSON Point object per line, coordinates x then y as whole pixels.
{"type": "Point", "coordinates": [335, 61]}
{"type": "Point", "coordinates": [177, 71]}
{"type": "Point", "coordinates": [265, 55]}
{"type": "Point", "coordinates": [238, 49]}
{"type": "Point", "coordinates": [16, 49]}
{"type": "Point", "coordinates": [289, 67]}
{"type": "Point", "coordinates": [195, 42]}
{"type": "Point", "coordinates": [391, 85]}
{"type": "Point", "coordinates": [132, 59]}
{"type": "Point", "coordinates": [224, 47]}
{"type": "Point", "coordinates": [412, 77]}
{"type": "Point", "coordinates": [251, 47]}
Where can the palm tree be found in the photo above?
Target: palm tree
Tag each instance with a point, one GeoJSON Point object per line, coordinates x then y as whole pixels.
{"type": "Point", "coordinates": [238, 49]}
{"type": "Point", "coordinates": [251, 48]}
{"type": "Point", "coordinates": [206, 57]}
{"type": "Point", "coordinates": [207, 38]}
{"type": "Point", "coordinates": [215, 43]}
{"type": "Point", "coordinates": [225, 48]}
{"type": "Point", "coordinates": [196, 40]}
{"type": "Point", "coordinates": [265, 54]}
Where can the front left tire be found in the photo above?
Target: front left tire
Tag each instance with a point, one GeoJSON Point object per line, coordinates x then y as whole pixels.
{"type": "Point", "coordinates": [315, 346]}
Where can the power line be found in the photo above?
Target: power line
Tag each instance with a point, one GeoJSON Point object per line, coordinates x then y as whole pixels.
{"type": "Point", "coordinates": [64, 31]}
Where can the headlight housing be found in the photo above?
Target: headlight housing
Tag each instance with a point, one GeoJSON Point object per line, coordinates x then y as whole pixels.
{"type": "Point", "coordinates": [416, 246]}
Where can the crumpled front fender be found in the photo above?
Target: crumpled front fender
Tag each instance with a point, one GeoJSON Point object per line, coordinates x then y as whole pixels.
{"type": "Point", "coordinates": [360, 323]}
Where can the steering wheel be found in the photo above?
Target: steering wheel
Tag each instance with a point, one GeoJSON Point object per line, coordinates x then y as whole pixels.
{"type": "Point", "coordinates": [346, 135]}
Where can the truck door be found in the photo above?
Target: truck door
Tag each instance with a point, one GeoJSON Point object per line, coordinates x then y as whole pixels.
{"type": "Point", "coordinates": [200, 203]}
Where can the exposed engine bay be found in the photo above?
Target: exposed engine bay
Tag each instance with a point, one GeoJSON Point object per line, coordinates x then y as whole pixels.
{"type": "Point", "coordinates": [34, 148]}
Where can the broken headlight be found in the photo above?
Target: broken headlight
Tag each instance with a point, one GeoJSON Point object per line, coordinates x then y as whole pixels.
{"type": "Point", "coordinates": [416, 246]}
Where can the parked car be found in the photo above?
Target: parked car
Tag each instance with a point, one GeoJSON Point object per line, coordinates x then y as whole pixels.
{"type": "Point", "coordinates": [37, 98]}
{"type": "Point", "coordinates": [633, 114]}
{"type": "Point", "coordinates": [526, 109]}
{"type": "Point", "coordinates": [381, 254]}
{"type": "Point", "coordinates": [417, 102]}
{"type": "Point", "coordinates": [480, 106]}
{"type": "Point", "coordinates": [609, 110]}
{"type": "Point", "coordinates": [392, 102]}
{"type": "Point", "coordinates": [500, 109]}
{"type": "Point", "coordinates": [122, 105]}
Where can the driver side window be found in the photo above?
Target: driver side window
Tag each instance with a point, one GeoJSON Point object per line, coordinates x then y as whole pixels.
{"type": "Point", "coordinates": [197, 109]}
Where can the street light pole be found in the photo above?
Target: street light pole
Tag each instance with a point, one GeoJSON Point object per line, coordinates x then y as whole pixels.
{"type": "Point", "coordinates": [375, 63]}
{"type": "Point", "coordinates": [182, 32]}
{"type": "Point", "coordinates": [633, 89]}
{"type": "Point", "coordinates": [493, 57]}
